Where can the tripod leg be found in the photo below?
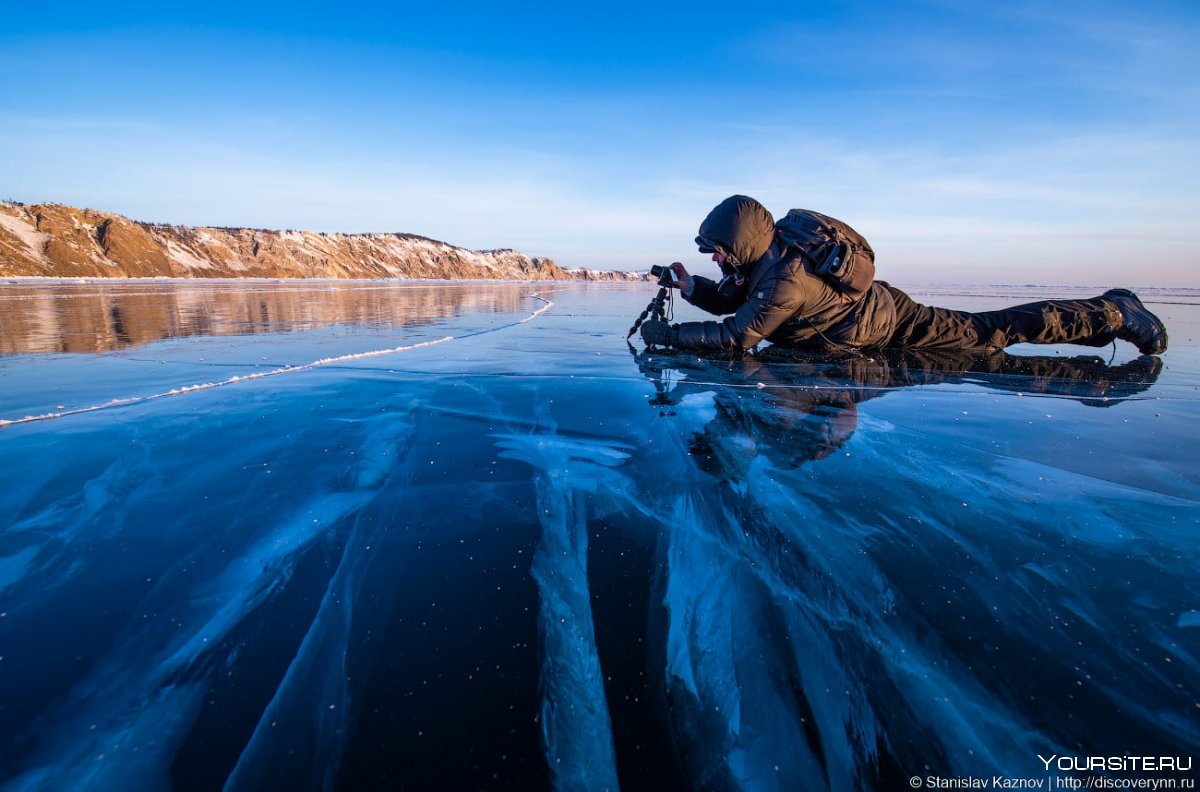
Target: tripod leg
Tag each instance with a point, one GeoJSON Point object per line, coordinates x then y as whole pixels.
{"type": "Point", "coordinates": [655, 307]}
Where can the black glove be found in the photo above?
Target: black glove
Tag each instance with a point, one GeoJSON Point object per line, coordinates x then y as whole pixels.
{"type": "Point", "coordinates": [658, 333]}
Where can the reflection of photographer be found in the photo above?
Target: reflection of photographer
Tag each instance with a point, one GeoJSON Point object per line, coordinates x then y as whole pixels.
{"type": "Point", "coordinates": [808, 282]}
{"type": "Point", "coordinates": [803, 407]}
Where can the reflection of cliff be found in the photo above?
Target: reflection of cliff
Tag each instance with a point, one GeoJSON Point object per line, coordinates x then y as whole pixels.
{"type": "Point", "coordinates": [98, 317]}
{"type": "Point", "coordinates": [52, 240]}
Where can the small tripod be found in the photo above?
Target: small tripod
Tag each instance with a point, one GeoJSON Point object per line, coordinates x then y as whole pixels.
{"type": "Point", "coordinates": [662, 307]}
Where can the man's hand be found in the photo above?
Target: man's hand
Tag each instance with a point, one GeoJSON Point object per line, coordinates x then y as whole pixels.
{"type": "Point", "coordinates": [682, 280]}
{"type": "Point", "coordinates": [658, 333]}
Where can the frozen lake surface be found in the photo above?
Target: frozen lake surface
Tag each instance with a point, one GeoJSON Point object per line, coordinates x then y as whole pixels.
{"type": "Point", "coordinates": [412, 535]}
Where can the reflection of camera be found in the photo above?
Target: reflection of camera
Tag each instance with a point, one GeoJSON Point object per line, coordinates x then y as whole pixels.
{"type": "Point", "coordinates": [665, 275]}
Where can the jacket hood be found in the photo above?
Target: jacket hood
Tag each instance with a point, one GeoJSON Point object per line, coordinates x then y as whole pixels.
{"type": "Point", "coordinates": [741, 227]}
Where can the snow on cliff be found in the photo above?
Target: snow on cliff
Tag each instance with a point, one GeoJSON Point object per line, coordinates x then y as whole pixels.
{"type": "Point", "coordinates": [51, 240]}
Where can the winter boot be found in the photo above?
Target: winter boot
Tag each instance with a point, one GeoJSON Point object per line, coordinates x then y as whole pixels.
{"type": "Point", "coordinates": [1140, 328]}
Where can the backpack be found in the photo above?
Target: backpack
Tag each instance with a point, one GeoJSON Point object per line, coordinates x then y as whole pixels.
{"type": "Point", "coordinates": [833, 250]}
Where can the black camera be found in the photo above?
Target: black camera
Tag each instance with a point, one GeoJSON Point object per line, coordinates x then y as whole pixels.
{"type": "Point", "coordinates": [665, 275]}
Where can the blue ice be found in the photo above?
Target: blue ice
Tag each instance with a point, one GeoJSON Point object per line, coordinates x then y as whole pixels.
{"type": "Point", "coordinates": [457, 536]}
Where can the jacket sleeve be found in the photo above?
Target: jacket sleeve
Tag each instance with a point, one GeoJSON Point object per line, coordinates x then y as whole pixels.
{"type": "Point", "coordinates": [707, 296]}
{"type": "Point", "coordinates": [772, 302]}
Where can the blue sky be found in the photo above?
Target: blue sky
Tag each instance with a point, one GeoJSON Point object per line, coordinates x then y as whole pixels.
{"type": "Point", "coordinates": [971, 142]}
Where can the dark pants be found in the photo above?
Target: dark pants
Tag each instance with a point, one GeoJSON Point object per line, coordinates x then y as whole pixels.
{"type": "Point", "coordinates": [1091, 322]}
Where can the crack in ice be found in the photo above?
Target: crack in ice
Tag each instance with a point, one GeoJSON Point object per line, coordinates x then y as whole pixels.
{"type": "Point", "coordinates": [130, 400]}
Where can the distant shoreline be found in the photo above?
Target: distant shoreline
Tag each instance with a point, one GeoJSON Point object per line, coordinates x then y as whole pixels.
{"type": "Point", "coordinates": [51, 240]}
{"type": "Point", "coordinates": [25, 279]}
{"type": "Point", "coordinates": [631, 279]}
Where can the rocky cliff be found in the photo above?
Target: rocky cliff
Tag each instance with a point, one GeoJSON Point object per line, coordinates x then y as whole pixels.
{"type": "Point", "coordinates": [51, 240]}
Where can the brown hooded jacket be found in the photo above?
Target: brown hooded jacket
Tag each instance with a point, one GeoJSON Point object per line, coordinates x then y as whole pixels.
{"type": "Point", "coordinates": [774, 294]}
